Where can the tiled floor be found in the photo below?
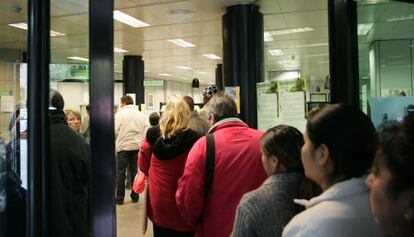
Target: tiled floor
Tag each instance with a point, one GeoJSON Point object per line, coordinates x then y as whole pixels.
{"type": "Point", "coordinates": [129, 219]}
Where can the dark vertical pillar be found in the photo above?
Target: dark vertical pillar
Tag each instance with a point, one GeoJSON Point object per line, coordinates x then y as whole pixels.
{"type": "Point", "coordinates": [243, 56]}
{"type": "Point", "coordinates": [38, 117]}
{"type": "Point", "coordinates": [219, 76]}
{"type": "Point", "coordinates": [343, 52]}
{"type": "Point", "coordinates": [101, 90]}
{"type": "Point", "coordinates": [133, 76]}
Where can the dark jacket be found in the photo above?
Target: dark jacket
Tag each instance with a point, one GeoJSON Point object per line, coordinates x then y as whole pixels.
{"type": "Point", "coordinates": [68, 180]}
{"type": "Point", "coordinates": [163, 160]}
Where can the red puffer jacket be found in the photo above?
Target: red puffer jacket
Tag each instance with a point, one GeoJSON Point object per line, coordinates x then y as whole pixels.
{"type": "Point", "coordinates": [163, 160]}
{"type": "Point", "coordinates": [238, 170]}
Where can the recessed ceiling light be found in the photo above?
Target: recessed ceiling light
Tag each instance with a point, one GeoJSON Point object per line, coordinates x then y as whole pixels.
{"type": "Point", "coordinates": [181, 43]}
{"type": "Point", "coordinates": [20, 25]}
{"type": "Point", "coordinates": [276, 52]}
{"type": "Point", "coordinates": [118, 50]}
{"type": "Point", "coordinates": [184, 67]}
{"type": "Point", "coordinates": [363, 29]}
{"type": "Point", "coordinates": [211, 56]}
{"type": "Point", "coordinates": [182, 13]}
{"type": "Point", "coordinates": [129, 20]}
{"type": "Point", "coordinates": [291, 31]}
{"type": "Point", "coordinates": [267, 37]}
{"type": "Point", "coordinates": [165, 74]}
{"type": "Point", "coordinates": [78, 58]}
{"type": "Point", "coordinates": [316, 55]}
{"type": "Point", "coordinates": [56, 34]}
{"type": "Point", "coordinates": [401, 18]}
{"type": "Point", "coordinates": [310, 45]}
{"type": "Point", "coordinates": [23, 26]}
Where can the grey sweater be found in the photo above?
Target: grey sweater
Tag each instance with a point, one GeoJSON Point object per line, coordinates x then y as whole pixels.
{"type": "Point", "coordinates": [266, 210]}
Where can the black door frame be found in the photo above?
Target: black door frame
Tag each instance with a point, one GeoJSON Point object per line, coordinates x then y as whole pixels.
{"type": "Point", "coordinates": [102, 204]}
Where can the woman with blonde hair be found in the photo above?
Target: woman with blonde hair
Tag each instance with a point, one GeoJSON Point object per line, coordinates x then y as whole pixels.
{"type": "Point", "coordinates": [73, 119]}
{"type": "Point", "coordinates": [162, 158]}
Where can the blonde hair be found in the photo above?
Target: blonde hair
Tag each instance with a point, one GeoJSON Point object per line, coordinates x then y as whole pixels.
{"type": "Point", "coordinates": [72, 111]}
{"type": "Point", "coordinates": [175, 118]}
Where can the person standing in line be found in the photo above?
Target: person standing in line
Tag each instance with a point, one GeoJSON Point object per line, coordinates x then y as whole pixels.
{"type": "Point", "coordinates": [340, 145]}
{"type": "Point", "coordinates": [68, 176]}
{"type": "Point", "coordinates": [238, 169]}
{"type": "Point", "coordinates": [197, 123]}
{"type": "Point", "coordinates": [73, 119]}
{"type": "Point", "coordinates": [266, 210]}
{"type": "Point", "coordinates": [391, 180]}
{"type": "Point", "coordinates": [162, 158]}
{"type": "Point", "coordinates": [130, 128]}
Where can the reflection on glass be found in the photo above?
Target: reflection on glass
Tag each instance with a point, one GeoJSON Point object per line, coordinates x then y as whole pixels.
{"type": "Point", "coordinates": [69, 161]}
{"type": "Point", "coordinates": [296, 65]}
{"type": "Point", "coordinates": [385, 44]}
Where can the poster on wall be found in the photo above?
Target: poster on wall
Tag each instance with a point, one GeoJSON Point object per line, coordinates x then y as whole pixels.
{"type": "Point", "coordinates": [150, 101]}
{"type": "Point", "coordinates": [267, 106]}
{"type": "Point", "coordinates": [292, 109]}
{"type": "Point", "coordinates": [234, 92]}
{"type": "Point", "coordinates": [389, 108]}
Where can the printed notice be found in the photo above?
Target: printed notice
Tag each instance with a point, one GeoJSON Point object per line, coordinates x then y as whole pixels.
{"type": "Point", "coordinates": [292, 109]}
{"type": "Point", "coordinates": [267, 103]}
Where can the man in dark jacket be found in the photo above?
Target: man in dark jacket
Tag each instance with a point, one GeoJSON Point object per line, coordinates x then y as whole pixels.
{"type": "Point", "coordinates": [68, 180]}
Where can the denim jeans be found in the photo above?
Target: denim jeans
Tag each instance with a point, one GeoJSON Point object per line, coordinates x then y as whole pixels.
{"type": "Point", "coordinates": [125, 158]}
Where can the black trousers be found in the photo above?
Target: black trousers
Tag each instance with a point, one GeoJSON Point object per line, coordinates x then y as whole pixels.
{"type": "Point", "coordinates": [165, 232]}
{"type": "Point", "coordinates": [125, 158]}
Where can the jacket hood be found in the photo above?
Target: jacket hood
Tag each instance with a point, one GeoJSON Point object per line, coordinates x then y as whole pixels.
{"type": "Point", "coordinates": [166, 149]}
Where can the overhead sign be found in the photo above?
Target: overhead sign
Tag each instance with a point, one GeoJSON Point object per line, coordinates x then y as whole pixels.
{"type": "Point", "coordinates": [153, 82]}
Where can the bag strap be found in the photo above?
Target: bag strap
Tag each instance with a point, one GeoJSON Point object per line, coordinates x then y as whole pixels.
{"type": "Point", "coordinates": [209, 169]}
{"type": "Point", "coordinates": [210, 164]}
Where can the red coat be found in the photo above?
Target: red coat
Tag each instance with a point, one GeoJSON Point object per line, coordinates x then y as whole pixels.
{"type": "Point", "coordinates": [238, 170]}
{"type": "Point", "coordinates": [163, 161]}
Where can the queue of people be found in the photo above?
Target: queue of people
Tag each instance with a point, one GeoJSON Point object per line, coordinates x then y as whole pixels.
{"type": "Point", "coordinates": [209, 174]}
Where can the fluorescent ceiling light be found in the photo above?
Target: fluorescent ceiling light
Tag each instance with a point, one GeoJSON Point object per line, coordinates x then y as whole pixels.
{"type": "Point", "coordinates": [118, 50]}
{"type": "Point", "coordinates": [202, 72]}
{"type": "Point", "coordinates": [363, 29]}
{"type": "Point", "coordinates": [211, 56]}
{"type": "Point", "coordinates": [184, 67]}
{"type": "Point", "coordinates": [23, 26]}
{"type": "Point", "coordinates": [165, 74]}
{"type": "Point", "coordinates": [129, 20]}
{"type": "Point", "coordinates": [182, 43]}
{"type": "Point", "coordinates": [185, 78]}
{"type": "Point", "coordinates": [20, 25]}
{"type": "Point", "coordinates": [291, 31]}
{"type": "Point", "coordinates": [276, 52]}
{"type": "Point", "coordinates": [401, 18]}
{"type": "Point", "coordinates": [146, 70]}
{"type": "Point", "coordinates": [56, 34]}
{"type": "Point", "coordinates": [310, 45]}
{"type": "Point", "coordinates": [267, 37]}
{"type": "Point", "coordinates": [316, 55]}
{"type": "Point", "coordinates": [78, 58]}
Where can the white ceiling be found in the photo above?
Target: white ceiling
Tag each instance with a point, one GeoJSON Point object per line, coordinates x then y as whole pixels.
{"type": "Point", "coordinates": [307, 51]}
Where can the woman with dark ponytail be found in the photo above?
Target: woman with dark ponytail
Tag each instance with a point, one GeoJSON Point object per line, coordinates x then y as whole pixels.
{"type": "Point", "coordinates": [266, 210]}
{"type": "Point", "coordinates": [391, 180]}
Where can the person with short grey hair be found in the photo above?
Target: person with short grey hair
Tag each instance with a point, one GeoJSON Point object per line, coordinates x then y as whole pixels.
{"type": "Point", "coordinates": [221, 106]}
{"type": "Point", "coordinates": [238, 169]}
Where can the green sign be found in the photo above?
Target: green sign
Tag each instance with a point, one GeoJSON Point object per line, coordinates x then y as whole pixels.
{"type": "Point", "coordinates": [153, 82]}
{"type": "Point", "coordinates": [6, 92]}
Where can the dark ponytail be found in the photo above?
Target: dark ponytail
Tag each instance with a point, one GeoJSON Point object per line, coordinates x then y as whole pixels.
{"type": "Point", "coordinates": [285, 142]}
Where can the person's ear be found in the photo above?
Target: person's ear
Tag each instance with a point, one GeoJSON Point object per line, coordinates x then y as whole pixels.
{"type": "Point", "coordinates": [212, 119]}
{"type": "Point", "coordinates": [274, 163]}
{"type": "Point", "coordinates": [409, 213]}
{"type": "Point", "coordinates": [323, 155]}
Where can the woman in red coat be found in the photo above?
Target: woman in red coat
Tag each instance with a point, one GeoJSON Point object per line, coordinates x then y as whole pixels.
{"type": "Point", "coordinates": [162, 159]}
